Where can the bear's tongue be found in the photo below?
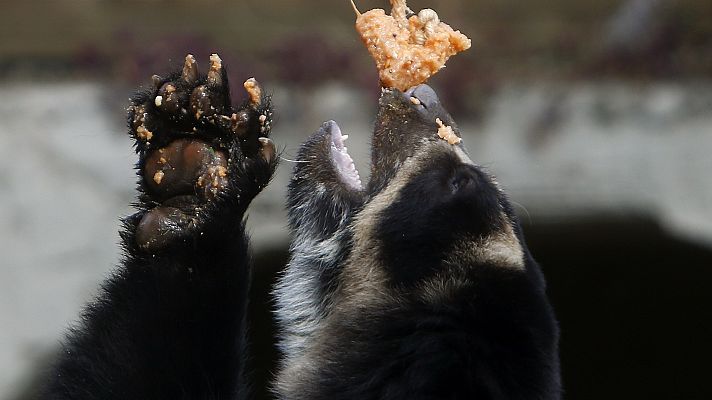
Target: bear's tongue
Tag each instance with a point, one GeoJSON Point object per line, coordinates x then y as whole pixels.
{"type": "Point", "coordinates": [341, 159]}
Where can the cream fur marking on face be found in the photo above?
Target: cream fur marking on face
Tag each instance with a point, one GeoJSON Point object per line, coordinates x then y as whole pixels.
{"type": "Point", "coordinates": [361, 284]}
{"type": "Point", "coordinates": [501, 249]}
{"type": "Point", "coordinates": [366, 285]}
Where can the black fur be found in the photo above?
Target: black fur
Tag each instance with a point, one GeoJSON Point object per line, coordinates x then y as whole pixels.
{"type": "Point", "coordinates": [441, 204]}
{"type": "Point", "coordinates": [493, 340]}
{"type": "Point", "coordinates": [170, 327]}
{"type": "Point", "coordinates": [170, 322]}
{"type": "Point", "coordinates": [405, 299]}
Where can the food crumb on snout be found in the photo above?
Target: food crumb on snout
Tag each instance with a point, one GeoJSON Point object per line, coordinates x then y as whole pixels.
{"type": "Point", "coordinates": [446, 133]}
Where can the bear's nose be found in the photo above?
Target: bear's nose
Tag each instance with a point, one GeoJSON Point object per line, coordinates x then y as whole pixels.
{"type": "Point", "coordinates": [425, 95]}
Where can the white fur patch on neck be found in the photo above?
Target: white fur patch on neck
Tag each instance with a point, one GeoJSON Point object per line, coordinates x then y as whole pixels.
{"type": "Point", "coordinates": [300, 303]}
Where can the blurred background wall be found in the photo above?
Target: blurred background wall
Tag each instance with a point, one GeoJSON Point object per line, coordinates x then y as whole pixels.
{"type": "Point", "coordinates": [596, 115]}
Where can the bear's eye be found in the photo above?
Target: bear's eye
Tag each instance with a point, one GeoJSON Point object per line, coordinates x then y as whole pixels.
{"type": "Point", "coordinates": [460, 181]}
{"type": "Point", "coordinates": [463, 177]}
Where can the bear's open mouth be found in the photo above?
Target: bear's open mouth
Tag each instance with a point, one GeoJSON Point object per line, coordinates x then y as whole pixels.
{"type": "Point", "coordinates": [340, 158]}
{"type": "Point", "coordinates": [406, 121]}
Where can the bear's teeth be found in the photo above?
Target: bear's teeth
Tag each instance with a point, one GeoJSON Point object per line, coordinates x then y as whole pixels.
{"type": "Point", "coordinates": [342, 161]}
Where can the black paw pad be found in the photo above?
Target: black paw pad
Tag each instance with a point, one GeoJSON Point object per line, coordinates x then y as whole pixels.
{"type": "Point", "coordinates": [161, 226]}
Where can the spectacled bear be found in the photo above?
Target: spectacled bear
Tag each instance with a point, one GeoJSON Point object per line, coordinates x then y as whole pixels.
{"type": "Point", "coordinates": [417, 286]}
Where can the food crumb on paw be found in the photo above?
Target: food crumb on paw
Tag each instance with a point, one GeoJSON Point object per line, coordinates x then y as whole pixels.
{"type": "Point", "coordinates": [158, 177]}
{"type": "Point", "coordinates": [217, 171]}
{"type": "Point", "coordinates": [215, 71]}
{"type": "Point", "coordinates": [158, 101]}
{"type": "Point", "coordinates": [213, 180]}
{"type": "Point", "coordinates": [190, 69]}
{"type": "Point", "coordinates": [138, 122]}
{"type": "Point", "coordinates": [446, 133]}
{"type": "Point", "coordinates": [253, 90]}
{"type": "Point", "coordinates": [408, 48]}
{"type": "Point", "coordinates": [143, 133]}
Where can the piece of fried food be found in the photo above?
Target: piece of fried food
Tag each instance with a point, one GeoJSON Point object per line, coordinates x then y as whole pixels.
{"type": "Point", "coordinates": [408, 48]}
